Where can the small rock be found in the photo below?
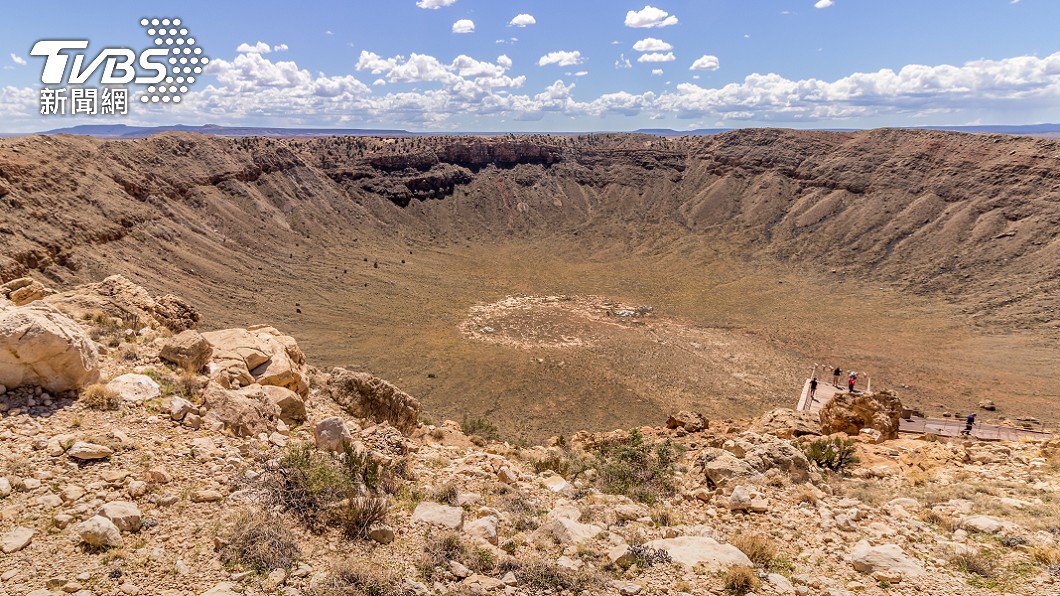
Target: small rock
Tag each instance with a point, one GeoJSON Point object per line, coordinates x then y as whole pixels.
{"type": "Point", "coordinates": [88, 451]}
{"type": "Point", "coordinates": [16, 540]}
{"type": "Point", "coordinates": [100, 532]}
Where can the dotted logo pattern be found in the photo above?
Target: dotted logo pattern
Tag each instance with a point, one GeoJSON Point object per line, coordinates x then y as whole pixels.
{"type": "Point", "coordinates": [184, 64]}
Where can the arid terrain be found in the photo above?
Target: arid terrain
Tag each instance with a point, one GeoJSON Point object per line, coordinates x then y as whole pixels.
{"type": "Point", "coordinates": [927, 261]}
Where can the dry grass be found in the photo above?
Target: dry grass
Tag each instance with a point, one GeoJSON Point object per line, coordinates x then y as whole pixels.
{"type": "Point", "coordinates": [983, 564]}
{"type": "Point", "coordinates": [259, 541]}
{"type": "Point", "coordinates": [98, 397]}
{"type": "Point", "coordinates": [761, 549]}
{"type": "Point", "coordinates": [362, 578]}
{"type": "Point", "coordinates": [740, 579]}
{"type": "Point", "coordinates": [1046, 555]}
{"type": "Point", "coordinates": [542, 576]}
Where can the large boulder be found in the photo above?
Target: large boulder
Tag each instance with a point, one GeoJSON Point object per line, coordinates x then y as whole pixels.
{"type": "Point", "coordinates": [436, 514]}
{"type": "Point", "coordinates": [134, 387]}
{"type": "Point", "coordinates": [117, 297]}
{"type": "Point", "coordinates": [41, 346]}
{"type": "Point", "coordinates": [692, 551]}
{"type": "Point", "coordinates": [688, 421]}
{"type": "Point", "coordinates": [258, 354]}
{"type": "Point", "coordinates": [244, 412]}
{"type": "Point", "coordinates": [750, 455]}
{"type": "Point", "coordinates": [885, 561]}
{"type": "Point", "coordinates": [787, 423]}
{"type": "Point", "coordinates": [24, 290]}
{"type": "Point", "coordinates": [99, 532]}
{"type": "Point", "coordinates": [188, 350]}
{"type": "Point", "coordinates": [365, 396]}
{"type": "Point", "coordinates": [850, 412]}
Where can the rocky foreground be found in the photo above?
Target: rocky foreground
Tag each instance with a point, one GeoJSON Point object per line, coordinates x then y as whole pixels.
{"type": "Point", "coordinates": [141, 456]}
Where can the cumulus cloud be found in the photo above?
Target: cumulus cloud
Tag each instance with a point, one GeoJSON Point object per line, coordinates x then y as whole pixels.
{"type": "Point", "coordinates": [824, 3]}
{"type": "Point", "coordinates": [649, 17]}
{"type": "Point", "coordinates": [657, 72]}
{"type": "Point", "coordinates": [434, 4]}
{"type": "Point", "coordinates": [561, 58]}
{"type": "Point", "coordinates": [650, 44]}
{"type": "Point", "coordinates": [623, 62]}
{"type": "Point", "coordinates": [464, 26]}
{"type": "Point", "coordinates": [19, 60]}
{"type": "Point", "coordinates": [280, 47]}
{"type": "Point", "coordinates": [259, 48]}
{"type": "Point", "coordinates": [657, 57]}
{"type": "Point", "coordinates": [706, 62]}
{"type": "Point", "coordinates": [522, 20]}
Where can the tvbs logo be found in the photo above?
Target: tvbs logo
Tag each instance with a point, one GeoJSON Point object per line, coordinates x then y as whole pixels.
{"type": "Point", "coordinates": [165, 71]}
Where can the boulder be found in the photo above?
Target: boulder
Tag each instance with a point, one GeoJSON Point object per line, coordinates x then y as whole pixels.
{"type": "Point", "coordinates": [436, 514]}
{"type": "Point", "coordinates": [244, 412]}
{"type": "Point", "coordinates": [568, 531]}
{"type": "Point", "coordinates": [41, 346]}
{"type": "Point", "coordinates": [365, 396]}
{"type": "Point", "coordinates": [290, 404]}
{"type": "Point", "coordinates": [484, 528]}
{"type": "Point", "coordinates": [331, 434]}
{"type": "Point", "coordinates": [24, 290]}
{"type": "Point", "coordinates": [689, 421]}
{"type": "Point", "coordinates": [99, 532]}
{"type": "Point", "coordinates": [16, 540]}
{"type": "Point", "coordinates": [85, 451]}
{"type": "Point", "coordinates": [720, 466]}
{"type": "Point", "coordinates": [125, 515]}
{"type": "Point", "coordinates": [258, 354]}
{"type": "Point", "coordinates": [850, 412]}
{"type": "Point", "coordinates": [886, 559]}
{"type": "Point", "coordinates": [985, 524]}
{"type": "Point", "coordinates": [188, 350]}
{"type": "Point", "coordinates": [751, 455]}
{"type": "Point", "coordinates": [135, 388]}
{"type": "Point", "coordinates": [691, 551]}
{"type": "Point", "coordinates": [988, 405]}
{"type": "Point", "coordinates": [787, 423]}
{"type": "Point", "coordinates": [117, 297]}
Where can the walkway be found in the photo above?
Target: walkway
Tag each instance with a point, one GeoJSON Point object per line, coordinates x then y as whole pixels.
{"type": "Point", "coordinates": [943, 427]}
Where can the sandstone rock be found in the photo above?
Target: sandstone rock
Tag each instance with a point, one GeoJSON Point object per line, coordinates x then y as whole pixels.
{"type": "Point", "coordinates": [258, 354]}
{"type": "Point", "coordinates": [188, 350]}
{"type": "Point", "coordinates": [887, 558]}
{"type": "Point", "coordinates": [787, 423]}
{"type": "Point", "coordinates": [984, 524]}
{"type": "Point", "coordinates": [988, 405]}
{"type": "Point", "coordinates": [24, 290]}
{"type": "Point", "coordinates": [365, 396]}
{"type": "Point", "coordinates": [621, 556]}
{"type": "Point", "coordinates": [135, 388]}
{"type": "Point", "coordinates": [206, 496]}
{"type": "Point", "coordinates": [437, 514]}
{"type": "Point", "coordinates": [99, 531]}
{"type": "Point", "coordinates": [484, 528]}
{"type": "Point", "coordinates": [691, 551]}
{"type": "Point", "coordinates": [117, 297]}
{"type": "Point", "coordinates": [41, 346]}
{"type": "Point", "coordinates": [16, 540]}
{"type": "Point", "coordinates": [689, 421]}
{"type": "Point", "coordinates": [125, 515]}
{"type": "Point", "coordinates": [850, 412]}
{"type": "Point", "coordinates": [89, 451]}
{"type": "Point", "coordinates": [331, 434]}
{"type": "Point", "coordinates": [480, 584]}
{"type": "Point", "coordinates": [179, 408]}
{"type": "Point", "coordinates": [290, 405]}
{"type": "Point", "coordinates": [568, 531]}
{"type": "Point", "coordinates": [244, 412]}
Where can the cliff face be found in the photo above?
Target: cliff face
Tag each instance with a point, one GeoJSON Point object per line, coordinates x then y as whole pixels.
{"type": "Point", "coordinates": [940, 212]}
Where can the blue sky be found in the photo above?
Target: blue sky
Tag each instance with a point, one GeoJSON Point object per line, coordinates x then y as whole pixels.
{"type": "Point", "coordinates": [404, 63]}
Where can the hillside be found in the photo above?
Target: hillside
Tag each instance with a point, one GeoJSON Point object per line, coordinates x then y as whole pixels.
{"type": "Point", "coordinates": [929, 259]}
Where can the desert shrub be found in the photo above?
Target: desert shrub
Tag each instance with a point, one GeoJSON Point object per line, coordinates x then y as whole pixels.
{"type": "Point", "coordinates": [636, 468]}
{"type": "Point", "coordinates": [438, 550]}
{"type": "Point", "coordinates": [806, 494]}
{"type": "Point", "coordinates": [259, 541]}
{"type": "Point", "coordinates": [539, 575]}
{"type": "Point", "coordinates": [563, 461]}
{"type": "Point", "coordinates": [941, 520]}
{"type": "Point", "coordinates": [1046, 555]}
{"type": "Point", "coordinates": [446, 493]}
{"type": "Point", "coordinates": [362, 578]}
{"type": "Point", "coordinates": [835, 454]}
{"type": "Point", "coordinates": [325, 490]}
{"type": "Point", "coordinates": [645, 556]}
{"type": "Point", "coordinates": [480, 426]}
{"type": "Point", "coordinates": [525, 511]}
{"type": "Point", "coordinates": [982, 564]}
{"type": "Point", "coordinates": [760, 549]}
{"type": "Point", "coordinates": [98, 397]}
{"type": "Point", "coordinates": [740, 579]}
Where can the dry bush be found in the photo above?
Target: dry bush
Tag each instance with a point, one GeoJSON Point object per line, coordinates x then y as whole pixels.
{"type": "Point", "coordinates": [259, 541]}
{"type": "Point", "coordinates": [480, 426]}
{"type": "Point", "coordinates": [438, 550]}
{"type": "Point", "coordinates": [982, 564]}
{"type": "Point", "coordinates": [526, 511]}
{"type": "Point", "coordinates": [543, 576]}
{"type": "Point", "coordinates": [635, 468]}
{"type": "Point", "coordinates": [362, 578]}
{"type": "Point", "coordinates": [446, 493]}
{"type": "Point", "coordinates": [946, 522]}
{"type": "Point", "coordinates": [806, 494]}
{"type": "Point", "coordinates": [740, 579]}
{"type": "Point", "coordinates": [357, 515]}
{"type": "Point", "coordinates": [1046, 555]}
{"type": "Point", "coordinates": [98, 397]}
{"type": "Point", "coordinates": [762, 550]}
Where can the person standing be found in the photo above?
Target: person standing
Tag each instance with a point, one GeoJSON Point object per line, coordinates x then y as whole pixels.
{"type": "Point", "coordinates": [835, 376]}
{"type": "Point", "coordinates": [968, 423]}
{"type": "Point", "coordinates": [813, 387]}
{"type": "Point", "coordinates": [852, 380]}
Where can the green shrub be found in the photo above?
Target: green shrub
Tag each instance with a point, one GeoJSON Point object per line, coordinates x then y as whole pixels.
{"type": "Point", "coordinates": [635, 468]}
{"type": "Point", "coordinates": [480, 426]}
{"type": "Point", "coordinates": [835, 454]}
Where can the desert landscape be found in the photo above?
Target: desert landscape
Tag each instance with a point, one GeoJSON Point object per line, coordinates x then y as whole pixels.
{"type": "Point", "coordinates": [528, 364]}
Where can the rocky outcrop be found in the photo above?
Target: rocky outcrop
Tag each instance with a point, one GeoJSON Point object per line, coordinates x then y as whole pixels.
{"type": "Point", "coordinates": [750, 455]}
{"type": "Point", "coordinates": [787, 423]}
{"type": "Point", "coordinates": [41, 346]}
{"type": "Point", "coordinates": [24, 290]}
{"type": "Point", "coordinates": [365, 396]}
{"type": "Point", "coordinates": [850, 412]}
{"type": "Point", "coordinates": [245, 412]}
{"type": "Point", "coordinates": [118, 298]}
{"type": "Point", "coordinates": [188, 350]}
{"type": "Point", "coordinates": [258, 354]}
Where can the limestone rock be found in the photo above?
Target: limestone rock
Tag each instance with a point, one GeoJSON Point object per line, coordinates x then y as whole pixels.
{"type": "Point", "coordinates": [117, 297]}
{"type": "Point", "coordinates": [787, 423]}
{"type": "Point", "coordinates": [16, 540]}
{"type": "Point", "coordinates": [331, 434]}
{"type": "Point", "coordinates": [886, 558]}
{"type": "Point", "coordinates": [99, 531]}
{"type": "Point", "coordinates": [188, 350]}
{"type": "Point", "coordinates": [244, 412]}
{"type": "Point", "coordinates": [691, 551]}
{"type": "Point", "coordinates": [484, 528]}
{"type": "Point", "coordinates": [125, 515]}
{"type": "Point", "coordinates": [290, 405]}
{"type": "Point", "coordinates": [41, 346]}
{"type": "Point", "coordinates": [568, 531]}
{"type": "Point", "coordinates": [437, 514]}
{"type": "Point", "coordinates": [850, 412]}
{"type": "Point", "coordinates": [134, 387]}
{"type": "Point", "coordinates": [24, 290]}
{"type": "Point", "coordinates": [365, 396]}
{"type": "Point", "coordinates": [258, 354]}
{"type": "Point", "coordinates": [89, 451]}
{"type": "Point", "coordinates": [689, 421]}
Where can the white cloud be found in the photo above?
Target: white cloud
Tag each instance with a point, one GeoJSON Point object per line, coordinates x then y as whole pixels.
{"type": "Point", "coordinates": [435, 4]}
{"type": "Point", "coordinates": [650, 44]}
{"type": "Point", "coordinates": [706, 62]}
{"type": "Point", "coordinates": [657, 72]}
{"type": "Point", "coordinates": [649, 17]}
{"type": "Point", "coordinates": [522, 20]}
{"type": "Point", "coordinates": [504, 61]}
{"type": "Point", "coordinates": [657, 57]}
{"type": "Point", "coordinates": [581, 73]}
{"type": "Point", "coordinates": [623, 62]}
{"type": "Point", "coordinates": [259, 48]}
{"type": "Point", "coordinates": [328, 32]}
{"type": "Point", "coordinates": [464, 26]}
{"type": "Point", "coordinates": [824, 3]}
{"type": "Point", "coordinates": [561, 58]}
{"type": "Point", "coordinates": [19, 60]}
{"type": "Point", "coordinates": [280, 47]}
